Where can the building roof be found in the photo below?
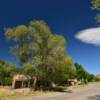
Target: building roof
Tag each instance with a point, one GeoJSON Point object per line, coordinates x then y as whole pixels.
{"type": "Point", "coordinates": [21, 77]}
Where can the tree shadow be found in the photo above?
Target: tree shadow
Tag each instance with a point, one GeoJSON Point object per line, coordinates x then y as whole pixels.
{"type": "Point", "coordinates": [56, 89]}
{"type": "Point", "coordinates": [96, 97]}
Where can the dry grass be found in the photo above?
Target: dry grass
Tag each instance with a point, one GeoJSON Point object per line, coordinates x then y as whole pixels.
{"type": "Point", "coordinates": [77, 88]}
{"type": "Point", "coordinates": [7, 93]}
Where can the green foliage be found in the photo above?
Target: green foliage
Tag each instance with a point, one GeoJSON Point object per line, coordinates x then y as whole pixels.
{"type": "Point", "coordinates": [28, 69]}
{"type": "Point", "coordinates": [91, 78]}
{"type": "Point", "coordinates": [6, 73]}
{"type": "Point", "coordinates": [40, 52]}
{"type": "Point", "coordinates": [96, 6]}
{"type": "Point", "coordinates": [8, 80]}
{"type": "Point", "coordinates": [97, 79]}
{"type": "Point", "coordinates": [83, 75]}
{"type": "Point", "coordinates": [98, 18]}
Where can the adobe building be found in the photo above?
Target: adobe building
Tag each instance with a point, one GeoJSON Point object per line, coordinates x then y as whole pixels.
{"type": "Point", "coordinates": [20, 81]}
{"type": "Point", "coordinates": [72, 81]}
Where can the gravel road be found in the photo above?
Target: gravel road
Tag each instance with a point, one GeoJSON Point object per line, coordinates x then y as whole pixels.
{"type": "Point", "coordinates": [89, 92]}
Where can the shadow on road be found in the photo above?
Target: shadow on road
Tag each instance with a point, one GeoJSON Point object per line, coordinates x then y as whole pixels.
{"type": "Point", "coordinates": [57, 89]}
{"type": "Point", "coordinates": [96, 97]}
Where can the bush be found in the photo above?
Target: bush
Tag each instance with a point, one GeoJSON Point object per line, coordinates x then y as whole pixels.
{"type": "Point", "coordinates": [8, 81]}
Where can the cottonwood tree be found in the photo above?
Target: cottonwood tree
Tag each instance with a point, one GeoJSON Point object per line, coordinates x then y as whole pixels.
{"type": "Point", "coordinates": [37, 45]}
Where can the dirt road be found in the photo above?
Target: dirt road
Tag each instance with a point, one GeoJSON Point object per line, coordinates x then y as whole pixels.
{"type": "Point", "coordinates": [89, 92]}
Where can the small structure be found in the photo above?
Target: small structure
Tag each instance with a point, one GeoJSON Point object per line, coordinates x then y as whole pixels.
{"type": "Point", "coordinates": [20, 81]}
{"type": "Point", "coordinates": [72, 81]}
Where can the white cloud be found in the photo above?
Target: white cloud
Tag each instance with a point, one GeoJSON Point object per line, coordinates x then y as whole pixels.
{"type": "Point", "coordinates": [90, 36]}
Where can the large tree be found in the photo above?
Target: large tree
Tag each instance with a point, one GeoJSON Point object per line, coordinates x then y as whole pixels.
{"type": "Point", "coordinates": [37, 45]}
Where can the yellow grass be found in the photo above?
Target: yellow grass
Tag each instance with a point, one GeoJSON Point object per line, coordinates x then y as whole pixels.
{"type": "Point", "coordinates": [7, 93]}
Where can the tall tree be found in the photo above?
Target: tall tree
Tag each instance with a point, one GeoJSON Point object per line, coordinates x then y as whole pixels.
{"type": "Point", "coordinates": [37, 45]}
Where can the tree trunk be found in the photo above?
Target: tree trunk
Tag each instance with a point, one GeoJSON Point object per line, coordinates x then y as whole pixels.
{"type": "Point", "coordinates": [35, 83]}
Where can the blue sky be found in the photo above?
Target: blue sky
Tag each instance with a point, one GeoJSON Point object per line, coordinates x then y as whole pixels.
{"type": "Point", "coordinates": [65, 17]}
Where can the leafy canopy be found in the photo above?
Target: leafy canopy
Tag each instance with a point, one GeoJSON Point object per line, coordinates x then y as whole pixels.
{"type": "Point", "coordinates": [36, 45]}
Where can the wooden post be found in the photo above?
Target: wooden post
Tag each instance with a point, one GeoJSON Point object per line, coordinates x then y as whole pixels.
{"type": "Point", "coordinates": [35, 83]}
